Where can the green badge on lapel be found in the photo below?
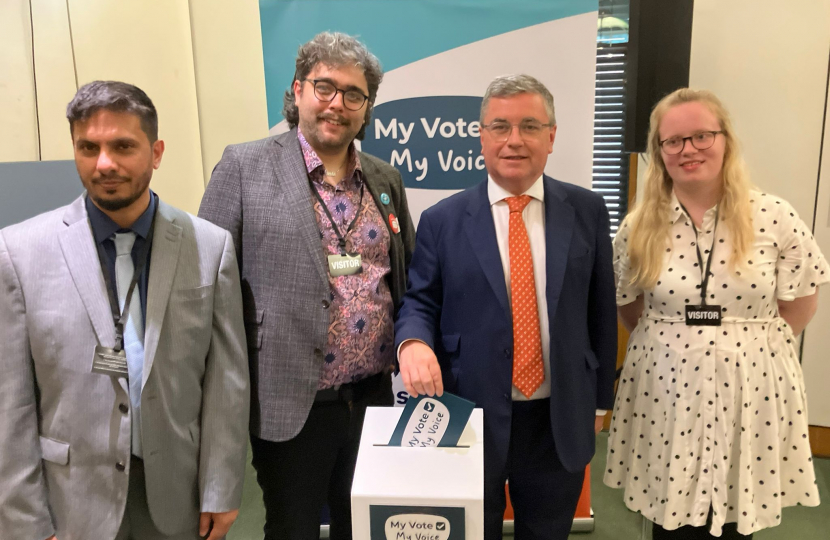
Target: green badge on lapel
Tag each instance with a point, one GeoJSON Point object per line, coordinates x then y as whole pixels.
{"type": "Point", "coordinates": [384, 198]}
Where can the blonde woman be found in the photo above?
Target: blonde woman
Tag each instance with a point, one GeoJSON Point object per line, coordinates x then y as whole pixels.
{"type": "Point", "coordinates": [714, 281]}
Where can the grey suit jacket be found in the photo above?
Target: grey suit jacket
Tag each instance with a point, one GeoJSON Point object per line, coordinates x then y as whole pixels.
{"type": "Point", "coordinates": [259, 191]}
{"type": "Point", "coordinates": [65, 432]}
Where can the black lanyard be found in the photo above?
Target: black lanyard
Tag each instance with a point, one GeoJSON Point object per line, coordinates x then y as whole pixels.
{"type": "Point", "coordinates": [119, 317]}
{"type": "Point", "coordinates": [704, 283]}
{"type": "Point", "coordinates": [341, 239]}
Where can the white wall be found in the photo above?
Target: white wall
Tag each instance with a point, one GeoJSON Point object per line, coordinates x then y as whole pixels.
{"type": "Point", "coordinates": [230, 75]}
{"type": "Point", "coordinates": [768, 61]}
{"type": "Point", "coordinates": [55, 75]}
{"type": "Point", "coordinates": [18, 128]}
{"type": "Point", "coordinates": [199, 61]}
{"type": "Point", "coordinates": [816, 358]}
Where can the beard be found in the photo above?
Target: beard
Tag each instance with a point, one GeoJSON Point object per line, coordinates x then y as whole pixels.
{"type": "Point", "coordinates": [114, 204]}
{"type": "Point", "coordinates": [314, 136]}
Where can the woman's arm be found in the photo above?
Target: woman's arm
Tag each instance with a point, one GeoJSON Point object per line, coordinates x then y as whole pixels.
{"type": "Point", "coordinates": [630, 313]}
{"type": "Point", "coordinates": [798, 312]}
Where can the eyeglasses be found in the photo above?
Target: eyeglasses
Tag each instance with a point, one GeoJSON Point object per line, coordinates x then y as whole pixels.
{"type": "Point", "coordinates": [528, 129]}
{"type": "Point", "coordinates": [325, 91]}
{"type": "Point", "coordinates": [701, 141]}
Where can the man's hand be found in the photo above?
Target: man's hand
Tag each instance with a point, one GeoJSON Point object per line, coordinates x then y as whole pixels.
{"type": "Point", "coordinates": [600, 420]}
{"type": "Point", "coordinates": [222, 522]}
{"type": "Point", "coordinates": [420, 371]}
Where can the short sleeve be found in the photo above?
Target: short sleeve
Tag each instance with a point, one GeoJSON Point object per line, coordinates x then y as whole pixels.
{"type": "Point", "coordinates": [626, 293]}
{"type": "Point", "coordinates": [801, 267]}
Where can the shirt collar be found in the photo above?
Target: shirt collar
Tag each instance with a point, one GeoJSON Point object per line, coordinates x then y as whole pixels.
{"type": "Point", "coordinates": [676, 211]}
{"type": "Point", "coordinates": [104, 227]}
{"type": "Point", "coordinates": [497, 193]}
{"type": "Point", "coordinates": [313, 161]}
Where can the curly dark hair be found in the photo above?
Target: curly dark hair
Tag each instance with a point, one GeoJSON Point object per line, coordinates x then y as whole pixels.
{"type": "Point", "coordinates": [334, 49]}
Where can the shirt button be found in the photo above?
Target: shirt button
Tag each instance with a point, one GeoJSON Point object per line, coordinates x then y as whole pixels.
{"type": "Point", "coordinates": [326, 304]}
{"type": "Point", "coordinates": [123, 408]}
{"type": "Point", "coordinates": [120, 467]}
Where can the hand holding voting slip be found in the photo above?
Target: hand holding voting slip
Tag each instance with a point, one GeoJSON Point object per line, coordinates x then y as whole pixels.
{"type": "Point", "coordinates": [432, 421]}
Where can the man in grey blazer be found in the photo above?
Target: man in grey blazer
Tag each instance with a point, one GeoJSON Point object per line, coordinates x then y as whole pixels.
{"type": "Point", "coordinates": [323, 238]}
{"type": "Point", "coordinates": [124, 388]}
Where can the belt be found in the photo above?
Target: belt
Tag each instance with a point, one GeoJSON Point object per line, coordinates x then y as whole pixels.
{"type": "Point", "coordinates": [737, 320]}
{"type": "Point", "coordinates": [349, 392]}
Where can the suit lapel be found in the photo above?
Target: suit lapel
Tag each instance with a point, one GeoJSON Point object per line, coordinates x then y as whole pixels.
{"type": "Point", "coordinates": [78, 247]}
{"type": "Point", "coordinates": [481, 231]}
{"type": "Point", "coordinates": [376, 183]}
{"type": "Point", "coordinates": [291, 176]}
{"type": "Point", "coordinates": [559, 223]}
{"type": "Point", "coordinates": [164, 258]}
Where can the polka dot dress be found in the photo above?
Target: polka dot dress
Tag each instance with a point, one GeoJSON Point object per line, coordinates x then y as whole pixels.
{"type": "Point", "coordinates": [709, 416]}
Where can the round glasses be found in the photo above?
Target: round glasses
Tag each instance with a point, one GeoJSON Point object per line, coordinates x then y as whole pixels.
{"type": "Point", "coordinates": [528, 129]}
{"type": "Point", "coordinates": [700, 141]}
{"type": "Point", "coordinates": [325, 91]}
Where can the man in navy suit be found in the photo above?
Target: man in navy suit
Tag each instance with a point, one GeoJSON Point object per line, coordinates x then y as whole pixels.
{"type": "Point", "coordinates": [511, 305]}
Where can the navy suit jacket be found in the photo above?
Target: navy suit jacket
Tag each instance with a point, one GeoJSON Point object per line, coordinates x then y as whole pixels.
{"type": "Point", "coordinates": [457, 303]}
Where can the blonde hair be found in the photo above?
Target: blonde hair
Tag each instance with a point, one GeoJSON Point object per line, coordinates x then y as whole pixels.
{"type": "Point", "coordinates": [649, 221]}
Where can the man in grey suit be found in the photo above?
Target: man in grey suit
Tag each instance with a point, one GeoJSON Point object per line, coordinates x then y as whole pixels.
{"type": "Point", "coordinates": [124, 388]}
{"type": "Point", "coordinates": [323, 238]}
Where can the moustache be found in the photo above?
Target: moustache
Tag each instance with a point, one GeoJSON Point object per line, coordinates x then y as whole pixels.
{"type": "Point", "coordinates": [109, 178]}
{"type": "Point", "coordinates": [335, 118]}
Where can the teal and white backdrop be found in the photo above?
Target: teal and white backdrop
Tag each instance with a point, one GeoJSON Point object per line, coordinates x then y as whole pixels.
{"type": "Point", "coordinates": [438, 57]}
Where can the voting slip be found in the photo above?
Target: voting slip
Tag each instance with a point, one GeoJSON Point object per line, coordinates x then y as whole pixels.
{"type": "Point", "coordinates": [432, 421]}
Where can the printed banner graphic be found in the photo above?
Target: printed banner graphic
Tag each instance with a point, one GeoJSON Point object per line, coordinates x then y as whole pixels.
{"type": "Point", "coordinates": [433, 141]}
{"type": "Point", "coordinates": [438, 59]}
{"type": "Point", "coordinates": [432, 421]}
{"type": "Point", "coordinates": [416, 523]}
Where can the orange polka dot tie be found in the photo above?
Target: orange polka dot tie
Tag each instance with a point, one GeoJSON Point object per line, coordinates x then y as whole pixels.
{"type": "Point", "coordinates": [528, 366]}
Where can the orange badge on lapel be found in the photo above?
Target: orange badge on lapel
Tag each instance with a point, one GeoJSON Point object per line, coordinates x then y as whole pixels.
{"type": "Point", "coordinates": [393, 224]}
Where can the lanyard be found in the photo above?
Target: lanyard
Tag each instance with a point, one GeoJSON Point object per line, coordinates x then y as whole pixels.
{"type": "Point", "coordinates": [704, 283]}
{"type": "Point", "coordinates": [119, 317]}
{"type": "Point", "coordinates": [341, 239]}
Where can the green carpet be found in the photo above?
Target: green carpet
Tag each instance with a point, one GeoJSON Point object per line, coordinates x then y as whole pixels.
{"type": "Point", "coordinates": [612, 519]}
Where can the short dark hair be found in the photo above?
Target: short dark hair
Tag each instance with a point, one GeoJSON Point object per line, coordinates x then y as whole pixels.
{"type": "Point", "coordinates": [114, 96]}
{"type": "Point", "coordinates": [334, 49]}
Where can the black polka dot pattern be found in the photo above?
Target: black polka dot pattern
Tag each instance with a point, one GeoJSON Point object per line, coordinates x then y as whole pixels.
{"type": "Point", "coordinates": [716, 416]}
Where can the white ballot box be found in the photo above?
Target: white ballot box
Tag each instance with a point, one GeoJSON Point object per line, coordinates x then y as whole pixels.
{"type": "Point", "coordinates": [404, 493]}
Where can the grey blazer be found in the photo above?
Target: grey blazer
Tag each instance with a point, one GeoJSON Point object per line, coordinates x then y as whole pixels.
{"type": "Point", "coordinates": [65, 432]}
{"type": "Point", "coordinates": [259, 191]}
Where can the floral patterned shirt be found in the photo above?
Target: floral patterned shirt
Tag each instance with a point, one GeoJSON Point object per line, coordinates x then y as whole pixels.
{"type": "Point", "coordinates": [361, 331]}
